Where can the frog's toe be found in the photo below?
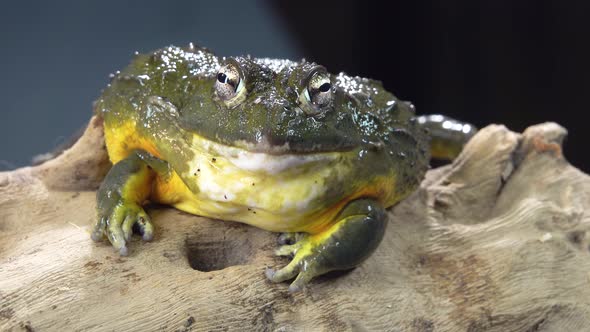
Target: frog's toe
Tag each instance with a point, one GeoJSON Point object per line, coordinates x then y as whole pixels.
{"type": "Point", "coordinates": [115, 232]}
{"type": "Point", "coordinates": [117, 224]}
{"type": "Point", "coordinates": [127, 226]}
{"type": "Point", "coordinates": [303, 278]}
{"type": "Point", "coordinates": [299, 269]}
{"type": "Point", "coordinates": [287, 250]}
{"type": "Point", "coordinates": [286, 273]}
{"type": "Point", "coordinates": [305, 265]}
{"type": "Point", "coordinates": [99, 229]}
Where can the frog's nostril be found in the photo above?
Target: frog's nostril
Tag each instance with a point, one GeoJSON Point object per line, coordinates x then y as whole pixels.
{"type": "Point", "coordinates": [206, 256]}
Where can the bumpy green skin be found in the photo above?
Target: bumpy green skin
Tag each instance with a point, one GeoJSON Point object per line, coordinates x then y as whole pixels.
{"type": "Point", "coordinates": [169, 94]}
{"type": "Point", "coordinates": [364, 114]}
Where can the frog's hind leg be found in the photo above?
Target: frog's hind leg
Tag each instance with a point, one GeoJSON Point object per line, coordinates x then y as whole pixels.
{"type": "Point", "coordinates": [356, 234]}
{"type": "Point", "coordinates": [127, 185]}
{"type": "Point", "coordinates": [447, 135]}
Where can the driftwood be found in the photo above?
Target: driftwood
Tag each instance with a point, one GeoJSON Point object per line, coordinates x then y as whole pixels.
{"type": "Point", "coordinates": [497, 241]}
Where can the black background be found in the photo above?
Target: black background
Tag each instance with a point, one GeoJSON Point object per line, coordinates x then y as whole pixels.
{"type": "Point", "coordinates": [512, 62]}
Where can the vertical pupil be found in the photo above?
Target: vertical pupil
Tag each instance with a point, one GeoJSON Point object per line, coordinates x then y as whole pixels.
{"type": "Point", "coordinates": [221, 77]}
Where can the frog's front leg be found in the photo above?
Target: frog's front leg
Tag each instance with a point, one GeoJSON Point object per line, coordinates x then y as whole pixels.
{"type": "Point", "coordinates": [121, 195]}
{"type": "Point", "coordinates": [350, 240]}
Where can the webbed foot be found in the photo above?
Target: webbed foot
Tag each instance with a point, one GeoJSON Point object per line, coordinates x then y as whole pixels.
{"type": "Point", "coordinates": [349, 241]}
{"type": "Point", "coordinates": [118, 224]}
{"type": "Point", "coordinates": [119, 199]}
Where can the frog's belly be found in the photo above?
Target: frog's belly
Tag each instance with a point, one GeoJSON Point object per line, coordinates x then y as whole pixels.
{"type": "Point", "coordinates": [286, 196]}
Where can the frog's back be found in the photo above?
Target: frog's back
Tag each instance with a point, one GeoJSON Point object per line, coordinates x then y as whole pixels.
{"type": "Point", "coordinates": [171, 72]}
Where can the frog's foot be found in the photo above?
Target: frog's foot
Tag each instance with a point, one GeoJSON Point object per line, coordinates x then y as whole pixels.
{"type": "Point", "coordinates": [349, 241]}
{"type": "Point", "coordinates": [119, 199]}
{"type": "Point", "coordinates": [118, 226]}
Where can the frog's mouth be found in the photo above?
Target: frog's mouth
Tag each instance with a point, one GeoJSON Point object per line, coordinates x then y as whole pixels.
{"type": "Point", "coordinates": [265, 129]}
{"type": "Point", "coordinates": [280, 141]}
{"type": "Point", "coordinates": [271, 159]}
{"type": "Point", "coordinates": [282, 145]}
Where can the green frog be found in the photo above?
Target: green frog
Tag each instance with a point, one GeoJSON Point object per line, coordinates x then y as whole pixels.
{"type": "Point", "coordinates": [281, 145]}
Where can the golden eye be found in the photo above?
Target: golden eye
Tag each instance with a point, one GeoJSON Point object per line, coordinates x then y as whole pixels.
{"type": "Point", "coordinates": [319, 89]}
{"type": "Point", "coordinates": [318, 92]}
{"type": "Point", "coordinates": [229, 84]}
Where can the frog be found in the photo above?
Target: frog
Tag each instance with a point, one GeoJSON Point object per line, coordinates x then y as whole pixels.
{"type": "Point", "coordinates": [282, 145]}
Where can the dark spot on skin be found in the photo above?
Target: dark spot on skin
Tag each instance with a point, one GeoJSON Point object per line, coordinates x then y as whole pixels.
{"type": "Point", "coordinates": [249, 209]}
{"type": "Point", "coordinates": [253, 184]}
{"type": "Point", "coordinates": [225, 196]}
{"type": "Point", "coordinates": [75, 195]}
{"type": "Point", "coordinates": [54, 307]}
{"type": "Point", "coordinates": [195, 173]}
{"type": "Point", "coordinates": [198, 169]}
{"type": "Point", "coordinates": [213, 159]}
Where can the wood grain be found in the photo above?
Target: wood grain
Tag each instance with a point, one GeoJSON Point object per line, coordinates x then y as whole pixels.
{"type": "Point", "coordinates": [497, 241]}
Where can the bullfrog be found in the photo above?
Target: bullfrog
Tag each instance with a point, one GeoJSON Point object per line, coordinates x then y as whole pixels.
{"type": "Point", "coordinates": [281, 145]}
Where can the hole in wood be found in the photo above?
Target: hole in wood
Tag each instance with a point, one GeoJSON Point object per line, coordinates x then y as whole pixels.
{"type": "Point", "coordinates": [217, 255]}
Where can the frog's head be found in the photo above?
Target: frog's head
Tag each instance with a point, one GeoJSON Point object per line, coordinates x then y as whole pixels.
{"type": "Point", "coordinates": [272, 106]}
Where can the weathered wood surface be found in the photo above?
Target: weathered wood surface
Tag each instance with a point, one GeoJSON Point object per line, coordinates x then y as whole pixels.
{"type": "Point", "coordinates": [498, 241]}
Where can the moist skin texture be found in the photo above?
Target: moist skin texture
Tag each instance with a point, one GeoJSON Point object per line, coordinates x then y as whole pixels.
{"type": "Point", "coordinates": [280, 145]}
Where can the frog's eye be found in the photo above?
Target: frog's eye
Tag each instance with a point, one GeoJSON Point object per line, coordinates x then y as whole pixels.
{"type": "Point", "coordinates": [229, 84]}
{"type": "Point", "coordinates": [317, 94]}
